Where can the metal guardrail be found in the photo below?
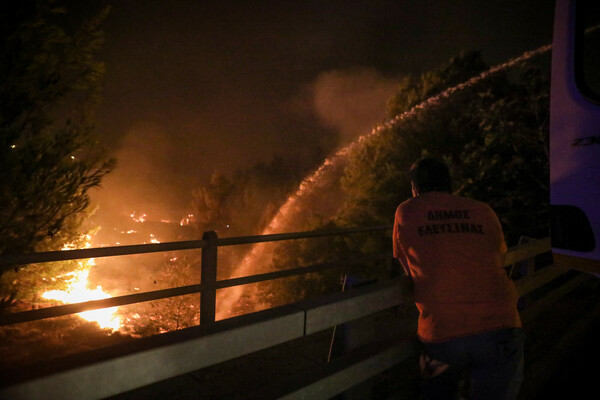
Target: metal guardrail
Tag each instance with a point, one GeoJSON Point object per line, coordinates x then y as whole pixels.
{"type": "Point", "coordinates": [102, 373]}
{"type": "Point", "coordinates": [8, 260]}
{"type": "Point", "coordinates": [208, 279]}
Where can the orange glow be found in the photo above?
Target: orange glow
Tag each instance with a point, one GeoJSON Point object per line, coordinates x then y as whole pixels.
{"type": "Point", "coordinates": [153, 239]}
{"type": "Point", "coordinates": [138, 218]}
{"type": "Point", "coordinates": [77, 292]}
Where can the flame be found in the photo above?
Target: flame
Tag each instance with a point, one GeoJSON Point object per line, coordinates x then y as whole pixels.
{"type": "Point", "coordinates": [187, 220]}
{"type": "Point", "coordinates": [77, 292]}
{"type": "Point", "coordinates": [138, 218]}
{"type": "Point", "coordinates": [153, 239]}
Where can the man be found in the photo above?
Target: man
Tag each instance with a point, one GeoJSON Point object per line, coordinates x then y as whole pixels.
{"type": "Point", "coordinates": [452, 249]}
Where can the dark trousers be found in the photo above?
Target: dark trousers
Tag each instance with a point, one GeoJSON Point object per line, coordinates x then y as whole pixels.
{"type": "Point", "coordinates": [492, 361]}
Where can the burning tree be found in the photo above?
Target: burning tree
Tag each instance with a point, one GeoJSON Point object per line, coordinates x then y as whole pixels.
{"type": "Point", "coordinates": [49, 157]}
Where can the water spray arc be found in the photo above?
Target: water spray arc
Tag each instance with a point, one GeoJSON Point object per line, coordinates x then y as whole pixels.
{"type": "Point", "coordinates": [333, 166]}
{"type": "Point", "coordinates": [332, 162]}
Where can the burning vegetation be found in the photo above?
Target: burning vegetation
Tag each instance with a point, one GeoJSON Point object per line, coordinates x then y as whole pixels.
{"type": "Point", "coordinates": [77, 292]}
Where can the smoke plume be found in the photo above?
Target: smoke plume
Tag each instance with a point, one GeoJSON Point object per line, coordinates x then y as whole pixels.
{"type": "Point", "coordinates": [352, 101]}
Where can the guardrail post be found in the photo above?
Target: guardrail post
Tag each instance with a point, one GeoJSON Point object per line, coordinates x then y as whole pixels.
{"type": "Point", "coordinates": [208, 279]}
{"type": "Point", "coordinates": [527, 267]}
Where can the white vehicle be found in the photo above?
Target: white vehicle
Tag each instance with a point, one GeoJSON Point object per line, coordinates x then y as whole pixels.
{"type": "Point", "coordinates": [575, 135]}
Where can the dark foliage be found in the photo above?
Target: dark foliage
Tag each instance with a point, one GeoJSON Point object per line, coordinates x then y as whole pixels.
{"type": "Point", "coordinates": [49, 156]}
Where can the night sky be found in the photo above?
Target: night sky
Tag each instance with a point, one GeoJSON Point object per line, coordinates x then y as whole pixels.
{"type": "Point", "coordinates": [197, 86]}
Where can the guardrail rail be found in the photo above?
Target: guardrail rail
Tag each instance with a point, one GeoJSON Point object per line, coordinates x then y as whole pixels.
{"type": "Point", "coordinates": [109, 371]}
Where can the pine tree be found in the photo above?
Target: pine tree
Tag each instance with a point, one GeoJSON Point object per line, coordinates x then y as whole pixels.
{"type": "Point", "coordinates": [49, 156]}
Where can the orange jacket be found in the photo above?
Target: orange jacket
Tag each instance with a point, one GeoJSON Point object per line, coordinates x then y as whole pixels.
{"type": "Point", "coordinates": [452, 248]}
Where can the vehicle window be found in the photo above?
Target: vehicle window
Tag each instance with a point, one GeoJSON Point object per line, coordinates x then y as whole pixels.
{"type": "Point", "coordinates": [589, 48]}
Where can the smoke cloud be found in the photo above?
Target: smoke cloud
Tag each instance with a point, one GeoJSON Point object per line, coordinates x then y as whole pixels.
{"type": "Point", "coordinates": [144, 180]}
{"type": "Point", "coordinates": [352, 101]}
{"type": "Point", "coordinates": [160, 165]}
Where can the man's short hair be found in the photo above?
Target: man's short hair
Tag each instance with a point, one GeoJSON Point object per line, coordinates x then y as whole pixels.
{"type": "Point", "coordinates": [430, 175]}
